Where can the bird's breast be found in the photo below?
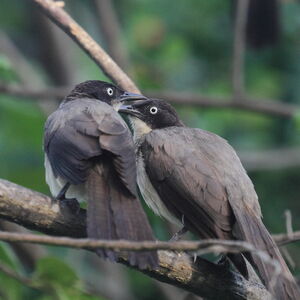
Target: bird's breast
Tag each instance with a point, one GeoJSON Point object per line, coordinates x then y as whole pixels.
{"type": "Point", "coordinates": [150, 195]}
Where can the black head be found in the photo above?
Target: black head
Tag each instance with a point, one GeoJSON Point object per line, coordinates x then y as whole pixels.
{"type": "Point", "coordinates": [95, 89]}
{"type": "Point", "coordinates": [154, 112]}
{"type": "Point", "coordinates": [100, 90]}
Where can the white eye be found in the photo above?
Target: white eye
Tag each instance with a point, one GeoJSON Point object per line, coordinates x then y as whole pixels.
{"type": "Point", "coordinates": [110, 91]}
{"type": "Point", "coordinates": [153, 110]}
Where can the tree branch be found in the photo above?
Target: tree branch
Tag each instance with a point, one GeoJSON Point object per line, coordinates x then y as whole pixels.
{"type": "Point", "coordinates": [239, 43]}
{"type": "Point", "coordinates": [56, 13]}
{"type": "Point", "coordinates": [203, 278]}
{"type": "Point", "coordinates": [270, 107]}
{"type": "Point", "coordinates": [38, 212]}
{"type": "Point", "coordinates": [284, 238]}
{"type": "Point", "coordinates": [265, 106]}
{"type": "Point", "coordinates": [111, 31]}
{"type": "Point", "coordinates": [273, 159]}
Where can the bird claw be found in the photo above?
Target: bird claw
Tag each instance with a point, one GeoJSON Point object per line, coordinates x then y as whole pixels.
{"type": "Point", "coordinates": [178, 235]}
{"type": "Point", "coordinates": [71, 204]}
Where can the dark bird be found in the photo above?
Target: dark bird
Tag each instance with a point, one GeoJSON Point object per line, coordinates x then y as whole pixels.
{"type": "Point", "coordinates": [90, 156]}
{"type": "Point", "coordinates": [194, 178]}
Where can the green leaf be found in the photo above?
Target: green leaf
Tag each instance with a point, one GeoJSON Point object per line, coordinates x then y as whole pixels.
{"type": "Point", "coordinates": [296, 119]}
{"type": "Point", "coordinates": [53, 270]}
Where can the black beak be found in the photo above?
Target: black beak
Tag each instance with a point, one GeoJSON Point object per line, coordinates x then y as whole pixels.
{"type": "Point", "coordinates": [126, 96]}
{"type": "Point", "coordinates": [130, 102]}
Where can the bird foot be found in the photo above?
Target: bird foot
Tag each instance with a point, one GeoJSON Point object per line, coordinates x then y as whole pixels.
{"type": "Point", "coordinates": [71, 204]}
{"type": "Point", "coordinates": [178, 235]}
{"type": "Point", "coordinates": [224, 261]}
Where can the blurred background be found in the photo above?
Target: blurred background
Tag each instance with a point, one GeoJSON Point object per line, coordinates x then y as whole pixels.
{"type": "Point", "coordinates": [220, 55]}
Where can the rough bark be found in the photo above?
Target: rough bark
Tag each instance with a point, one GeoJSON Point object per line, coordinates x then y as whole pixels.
{"type": "Point", "coordinates": [211, 281]}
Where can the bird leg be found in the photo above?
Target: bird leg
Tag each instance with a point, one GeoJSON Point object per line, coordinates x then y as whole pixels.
{"type": "Point", "coordinates": [177, 236]}
{"type": "Point", "coordinates": [71, 203]}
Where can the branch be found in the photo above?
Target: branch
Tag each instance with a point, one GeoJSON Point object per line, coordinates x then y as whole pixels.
{"type": "Point", "coordinates": [38, 212]}
{"type": "Point", "coordinates": [238, 81]}
{"type": "Point", "coordinates": [56, 13]}
{"type": "Point", "coordinates": [203, 278]}
{"type": "Point", "coordinates": [274, 159]}
{"type": "Point", "coordinates": [284, 238]}
{"type": "Point", "coordinates": [110, 29]}
{"type": "Point", "coordinates": [198, 247]}
{"type": "Point", "coordinates": [265, 106]}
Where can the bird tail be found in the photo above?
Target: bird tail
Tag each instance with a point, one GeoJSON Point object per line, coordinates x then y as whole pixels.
{"type": "Point", "coordinates": [113, 213]}
{"type": "Point", "coordinates": [255, 232]}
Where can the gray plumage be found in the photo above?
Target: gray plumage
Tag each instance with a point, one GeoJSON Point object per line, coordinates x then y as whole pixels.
{"type": "Point", "coordinates": [193, 176]}
{"type": "Point", "coordinates": [198, 175]}
{"type": "Point", "coordinates": [88, 145]}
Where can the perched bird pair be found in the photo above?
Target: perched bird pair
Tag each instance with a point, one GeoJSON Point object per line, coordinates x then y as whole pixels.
{"type": "Point", "coordinates": [191, 177]}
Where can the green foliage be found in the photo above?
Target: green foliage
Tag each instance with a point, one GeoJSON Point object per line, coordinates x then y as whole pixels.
{"type": "Point", "coordinates": [182, 46]}
{"type": "Point", "coordinates": [52, 279]}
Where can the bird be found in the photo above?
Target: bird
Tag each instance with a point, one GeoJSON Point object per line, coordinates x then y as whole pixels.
{"type": "Point", "coordinates": [194, 178]}
{"type": "Point", "coordinates": [90, 156]}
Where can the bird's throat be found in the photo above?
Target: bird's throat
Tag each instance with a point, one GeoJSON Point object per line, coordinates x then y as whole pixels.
{"type": "Point", "coordinates": [139, 128]}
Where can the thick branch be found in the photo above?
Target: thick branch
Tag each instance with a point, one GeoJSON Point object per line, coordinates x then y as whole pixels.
{"type": "Point", "coordinates": [38, 212]}
{"type": "Point", "coordinates": [203, 278]}
{"type": "Point", "coordinates": [56, 13]}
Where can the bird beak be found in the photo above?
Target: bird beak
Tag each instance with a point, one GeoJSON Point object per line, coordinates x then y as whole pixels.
{"type": "Point", "coordinates": [130, 101]}
{"type": "Point", "coordinates": [128, 109]}
{"type": "Point", "coordinates": [126, 96]}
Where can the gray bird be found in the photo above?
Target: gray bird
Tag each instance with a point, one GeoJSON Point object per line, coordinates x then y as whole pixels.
{"type": "Point", "coordinates": [194, 178]}
{"type": "Point", "coordinates": [89, 156]}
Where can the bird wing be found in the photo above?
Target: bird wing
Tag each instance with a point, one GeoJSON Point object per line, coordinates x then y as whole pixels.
{"type": "Point", "coordinates": [88, 142]}
{"type": "Point", "coordinates": [187, 182]}
{"type": "Point", "coordinates": [198, 175]}
{"type": "Point", "coordinates": [77, 133]}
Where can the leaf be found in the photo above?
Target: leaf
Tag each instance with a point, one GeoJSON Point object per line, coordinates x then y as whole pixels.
{"type": "Point", "coordinates": [53, 270]}
{"type": "Point", "coordinates": [296, 119]}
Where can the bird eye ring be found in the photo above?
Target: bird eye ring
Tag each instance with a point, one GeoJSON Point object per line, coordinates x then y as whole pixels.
{"type": "Point", "coordinates": [153, 110]}
{"type": "Point", "coordinates": [110, 91]}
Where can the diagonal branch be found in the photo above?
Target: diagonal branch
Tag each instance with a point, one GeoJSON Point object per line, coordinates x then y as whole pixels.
{"type": "Point", "coordinates": [203, 278]}
{"type": "Point", "coordinates": [57, 14]}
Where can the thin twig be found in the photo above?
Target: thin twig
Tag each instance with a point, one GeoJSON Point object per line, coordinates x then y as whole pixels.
{"type": "Point", "coordinates": [239, 46]}
{"type": "Point", "coordinates": [288, 223]}
{"type": "Point", "coordinates": [197, 247]}
{"type": "Point", "coordinates": [283, 238]}
{"type": "Point", "coordinates": [203, 246]}
{"type": "Point", "coordinates": [57, 14]}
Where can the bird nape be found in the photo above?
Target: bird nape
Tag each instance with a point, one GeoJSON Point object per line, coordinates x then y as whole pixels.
{"type": "Point", "coordinates": [89, 156]}
{"type": "Point", "coordinates": [194, 178]}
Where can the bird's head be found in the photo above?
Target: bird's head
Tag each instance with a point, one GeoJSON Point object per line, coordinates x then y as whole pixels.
{"type": "Point", "coordinates": [103, 91]}
{"type": "Point", "coordinates": [154, 113]}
